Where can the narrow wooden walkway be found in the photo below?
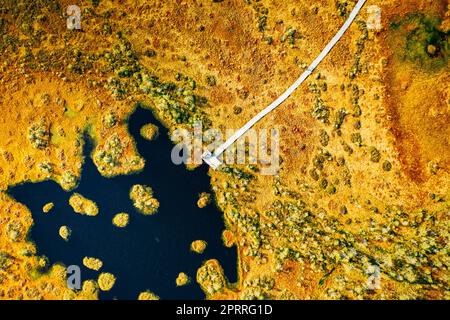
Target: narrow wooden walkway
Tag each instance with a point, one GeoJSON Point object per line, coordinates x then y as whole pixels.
{"type": "Point", "coordinates": [212, 158]}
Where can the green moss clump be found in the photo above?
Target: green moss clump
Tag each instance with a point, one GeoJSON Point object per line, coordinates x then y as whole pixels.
{"type": "Point", "coordinates": [387, 166]}
{"type": "Point", "coordinates": [425, 43]}
{"type": "Point", "coordinates": [375, 155]}
{"type": "Point", "coordinates": [39, 135]}
{"type": "Point", "coordinates": [320, 111]}
{"type": "Point", "coordinates": [342, 7]}
{"type": "Point", "coordinates": [5, 261]}
{"type": "Point", "coordinates": [95, 3]}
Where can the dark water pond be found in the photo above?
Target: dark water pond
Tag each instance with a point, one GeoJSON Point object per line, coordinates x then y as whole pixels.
{"type": "Point", "coordinates": [151, 251]}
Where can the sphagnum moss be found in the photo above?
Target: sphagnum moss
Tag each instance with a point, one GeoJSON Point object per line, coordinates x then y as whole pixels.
{"type": "Point", "coordinates": [147, 295]}
{"type": "Point", "coordinates": [268, 237]}
{"type": "Point", "coordinates": [149, 131]}
{"type": "Point", "coordinates": [92, 263]}
{"type": "Point", "coordinates": [204, 200]}
{"type": "Point", "coordinates": [182, 279]}
{"type": "Point", "coordinates": [143, 200]}
{"type": "Point", "coordinates": [198, 246]}
{"type": "Point", "coordinates": [83, 205]}
{"type": "Point", "coordinates": [47, 207]}
{"type": "Point", "coordinates": [121, 220]}
{"type": "Point", "coordinates": [106, 281]}
{"type": "Point", "coordinates": [65, 232]}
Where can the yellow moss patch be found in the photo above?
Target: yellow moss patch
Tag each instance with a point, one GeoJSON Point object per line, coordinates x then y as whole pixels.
{"type": "Point", "coordinates": [42, 262]}
{"type": "Point", "coordinates": [149, 131]}
{"type": "Point", "coordinates": [89, 287]}
{"type": "Point", "coordinates": [147, 295]}
{"type": "Point", "coordinates": [198, 246]}
{"type": "Point", "coordinates": [182, 279]}
{"type": "Point", "coordinates": [106, 281]}
{"type": "Point", "coordinates": [142, 197]}
{"type": "Point", "coordinates": [64, 232]}
{"type": "Point", "coordinates": [69, 295]}
{"type": "Point", "coordinates": [49, 206]}
{"type": "Point", "coordinates": [360, 102]}
{"type": "Point", "coordinates": [204, 200]}
{"type": "Point", "coordinates": [228, 238]}
{"type": "Point", "coordinates": [210, 277]}
{"type": "Point", "coordinates": [116, 154]}
{"type": "Point", "coordinates": [92, 263]}
{"type": "Point", "coordinates": [82, 205]}
{"type": "Point", "coordinates": [121, 220]}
